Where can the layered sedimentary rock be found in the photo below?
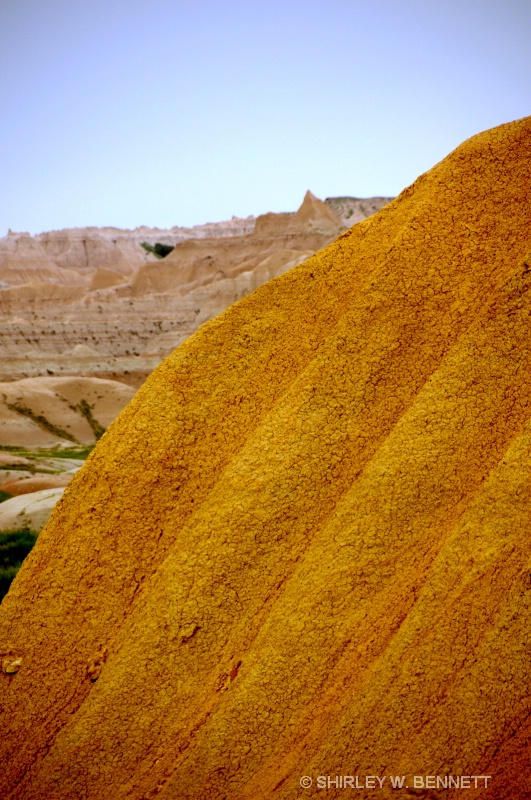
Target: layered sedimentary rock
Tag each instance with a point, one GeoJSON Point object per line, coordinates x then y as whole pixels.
{"type": "Point", "coordinates": [302, 549]}
{"type": "Point", "coordinates": [90, 248]}
{"type": "Point", "coordinates": [93, 302]}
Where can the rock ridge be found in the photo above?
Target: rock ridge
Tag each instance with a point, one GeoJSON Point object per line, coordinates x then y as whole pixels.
{"type": "Point", "coordinates": [302, 549]}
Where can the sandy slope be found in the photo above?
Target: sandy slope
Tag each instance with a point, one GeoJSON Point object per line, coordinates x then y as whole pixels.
{"type": "Point", "coordinates": [31, 510]}
{"type": "Point", "coordinates": [43, 412]}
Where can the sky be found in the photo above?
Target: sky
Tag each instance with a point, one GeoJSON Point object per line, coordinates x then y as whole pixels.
{"type": "Point", "coordinates": [181, 112]}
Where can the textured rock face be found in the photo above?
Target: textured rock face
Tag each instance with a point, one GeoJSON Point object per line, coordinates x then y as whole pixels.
{"type": "Point", "coordinates": [93, 302]}
{"type": "Point", "coordinates": [302, 549]}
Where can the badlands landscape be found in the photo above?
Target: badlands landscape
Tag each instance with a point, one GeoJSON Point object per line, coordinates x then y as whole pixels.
{"type": "Point", "coordinates": [302, 549]}
{"type": "Point", "coordinates": [94, 302]}
{"type": "Point", "coordinates": [87, 314]}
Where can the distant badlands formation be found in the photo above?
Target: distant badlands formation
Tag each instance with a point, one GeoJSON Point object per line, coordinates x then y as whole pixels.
{"type": "Point", "coordinates": [93, 302]}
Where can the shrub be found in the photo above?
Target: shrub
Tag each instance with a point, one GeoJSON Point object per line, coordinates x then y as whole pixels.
{"type": "Point", "coordinates": [14, 547]}
{"type": "Point", "coordinates": [86, 410]}
{"type": "Point", "coordinates": [159, 250]}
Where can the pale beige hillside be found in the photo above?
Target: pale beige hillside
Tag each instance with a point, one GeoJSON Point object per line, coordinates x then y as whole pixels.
{"type": "Point", "coordinates": [44, 412]}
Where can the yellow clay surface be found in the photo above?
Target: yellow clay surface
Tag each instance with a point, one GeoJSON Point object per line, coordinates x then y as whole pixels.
{"type": "Point", "coordinates": [303, 548]}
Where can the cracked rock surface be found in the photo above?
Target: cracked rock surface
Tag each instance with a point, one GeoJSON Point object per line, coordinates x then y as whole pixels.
{"type": "Point", "coordinates": [303, 548]}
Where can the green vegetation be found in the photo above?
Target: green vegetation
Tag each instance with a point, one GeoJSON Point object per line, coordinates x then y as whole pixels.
{"type": "Point", "coordinates": [86, 410]}
{"type": "Point", "coordinates": [5, 496]}
{"type": "Point", "coordinates": [80, 452]}
{"type": "Point", "coordinates": [159, 250]}
{"type": "Point", "coordinates": [14, 547]}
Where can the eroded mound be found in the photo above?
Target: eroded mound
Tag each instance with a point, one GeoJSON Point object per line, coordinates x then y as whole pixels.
{"type": "Point", "coordinates": [302, 549]}
{"type": "Point", "coordinates": [43, 412]}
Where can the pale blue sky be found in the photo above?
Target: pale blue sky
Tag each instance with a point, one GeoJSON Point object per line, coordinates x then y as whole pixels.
{"type": "Point", "coordinates": [178, 112]}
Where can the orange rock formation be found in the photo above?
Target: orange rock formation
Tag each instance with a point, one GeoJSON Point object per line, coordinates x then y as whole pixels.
{"type": "Point", "coordinates": [303, 548]}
